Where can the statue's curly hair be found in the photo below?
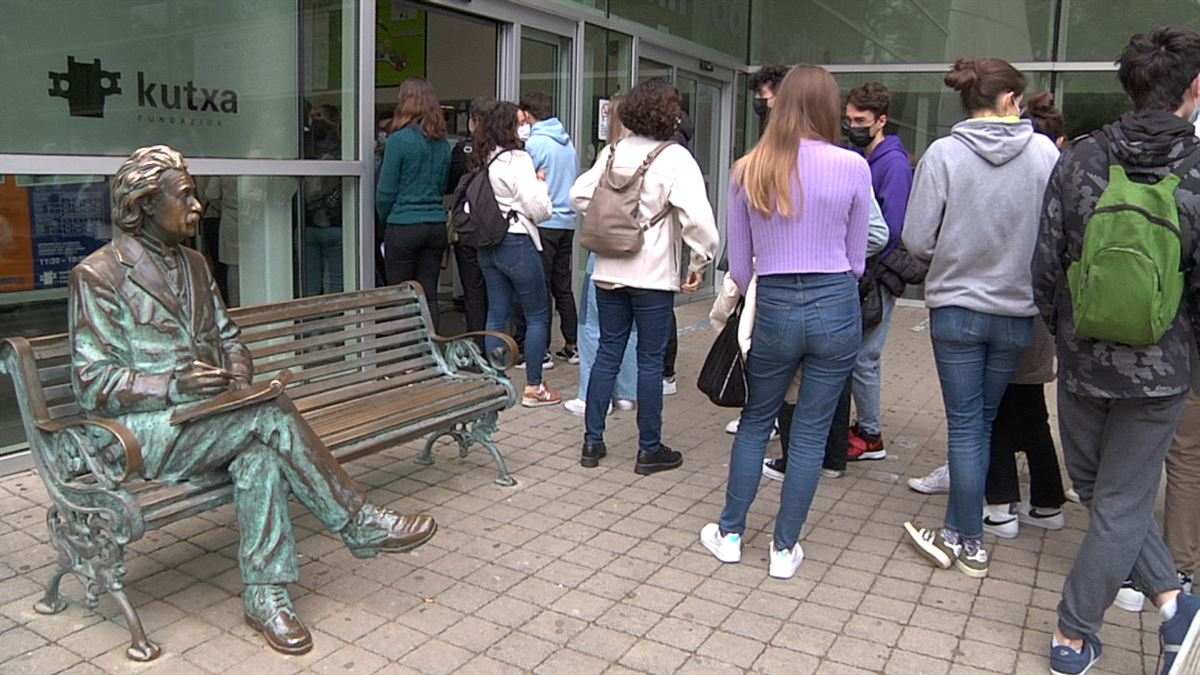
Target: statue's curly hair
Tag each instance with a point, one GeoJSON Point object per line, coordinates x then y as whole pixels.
{"type": "Point", "coordinates": [140, 178]}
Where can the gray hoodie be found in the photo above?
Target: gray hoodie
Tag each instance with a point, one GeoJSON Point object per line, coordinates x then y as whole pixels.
{"type": "Point", "coordinates": [974, 211]}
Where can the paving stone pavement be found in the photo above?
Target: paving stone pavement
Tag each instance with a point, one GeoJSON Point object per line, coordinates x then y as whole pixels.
{"type": "Point", "coordinates": [589, 570]}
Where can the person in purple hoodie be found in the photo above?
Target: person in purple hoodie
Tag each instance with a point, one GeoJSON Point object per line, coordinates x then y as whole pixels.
{"type": "Point", "coordinates": [867, 108]}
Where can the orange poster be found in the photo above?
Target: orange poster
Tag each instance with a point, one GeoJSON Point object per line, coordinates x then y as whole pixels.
{"type": "Point", "coordinates": [16, 237]}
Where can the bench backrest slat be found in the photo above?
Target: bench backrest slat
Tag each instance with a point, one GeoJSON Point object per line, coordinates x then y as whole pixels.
{"type": "Point", "coordinates": [349, 340]}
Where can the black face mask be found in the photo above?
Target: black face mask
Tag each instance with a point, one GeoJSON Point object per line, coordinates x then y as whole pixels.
{"type": "Point", "coordinates": [760, 107]}
{"type": "Point", "coordinates": [859, 137]}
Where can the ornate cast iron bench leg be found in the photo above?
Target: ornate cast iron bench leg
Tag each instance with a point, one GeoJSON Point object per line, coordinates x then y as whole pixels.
{"type": "Point", "coordinates": [468, 433]}
{"type": "Point", "coordinates": [87, 549]}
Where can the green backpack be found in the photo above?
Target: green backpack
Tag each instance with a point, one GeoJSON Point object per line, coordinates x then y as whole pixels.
{"type": "Point", "coordinates": [1127, 285]}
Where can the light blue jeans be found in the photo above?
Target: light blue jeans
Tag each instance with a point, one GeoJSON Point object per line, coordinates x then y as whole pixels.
{"type": "Point", "coordinates": [867, 375]}
{"type": "Point", "coordinates": [589, 342]}
{"type": "Point", "coordinates": [976, 354]}
{"type": "Point", "coordinates": [812, 320]}
{"type": "Point", "coordinates": [322, 260]}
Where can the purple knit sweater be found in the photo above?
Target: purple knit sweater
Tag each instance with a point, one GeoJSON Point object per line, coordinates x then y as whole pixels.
{"type": "Point", "coordinates": [827, 231]}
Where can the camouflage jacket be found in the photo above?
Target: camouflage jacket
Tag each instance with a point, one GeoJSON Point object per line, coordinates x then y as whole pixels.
{"type": "Point", "coordinates": [1145, 143]}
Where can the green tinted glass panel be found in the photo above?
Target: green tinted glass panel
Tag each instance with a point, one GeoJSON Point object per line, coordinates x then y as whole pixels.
{"type": "Point", "coordinates": [900, 31]}
{"type": "Point", "coordinates": [1097, 30]}
{"type": "Point", "coordinates": [720, 24]}
{"type": "Point", "coordinates": [1090, 100]}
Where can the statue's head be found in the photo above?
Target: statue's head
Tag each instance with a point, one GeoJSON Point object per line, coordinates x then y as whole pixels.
{"type": "Point", "coordinates": [153, 191]}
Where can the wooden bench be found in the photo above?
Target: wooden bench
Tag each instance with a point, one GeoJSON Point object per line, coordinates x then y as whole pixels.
{"type": "Point", "coordinates": [368, 373]}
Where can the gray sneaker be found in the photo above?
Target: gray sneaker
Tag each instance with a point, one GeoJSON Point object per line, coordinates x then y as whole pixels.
{"type": "Point", "coordinates": [972, 559]}
{"type": "Point", "coordinates": [939, 545]}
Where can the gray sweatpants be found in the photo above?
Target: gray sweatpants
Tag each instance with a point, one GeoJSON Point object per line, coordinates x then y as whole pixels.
{"type": "Point", "coordinates": [1114, 451]}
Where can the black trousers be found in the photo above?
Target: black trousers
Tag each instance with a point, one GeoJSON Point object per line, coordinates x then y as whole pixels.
{"type": "Point", "coordinates": [673, 351]}
{"type": "Point", "coordinates": [837, 444]}
{"type": "Point", "coordinates": [474, 290]}
{"type": "Point", "coordinates": [414, 252]}
{"type": "Point", "coordinates": [1022, 425]}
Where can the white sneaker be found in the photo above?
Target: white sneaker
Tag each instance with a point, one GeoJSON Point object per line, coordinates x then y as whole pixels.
{"type": "Point", "coordinates": [936, 482]}
{"type": "Point", "coordinates": [624, 404]}
{"type": "Point", "coordinates": [732, 427]}
{"type": "Point", "coordinates": [578, 406]}
{"type": "Point", "coordinates": [785, 563]}
{"type": "Point", "coordinates": [1072, 495]}
{"type": "Point", "coordinates": [1000, 520]}
{"type": "Point", "coordinates": [547, 363]}
{"type": "Point", "coordinates": [1129, 598]}
{"type": "Point", "coordinates": [831, 473]}
{"type": "Point", "coordinates": [1050, 519]}
{"type": "Point", "coordinates": [1185, 581]}
{"type": "Point", "coordinates": [727, 549]}
{"type": "Point", "coordinates": [670, 387]}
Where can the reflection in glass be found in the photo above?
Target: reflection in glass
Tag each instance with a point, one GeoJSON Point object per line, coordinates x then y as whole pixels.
{"type": "Point", "coordinates": [546, 68]}
{"type": "Point", "coordinates": [1090, 100]}
{"type": "Point", "coordinates": [901, 31]}
{"type": "Point", "coordinates": [1097, 30]}
{"type": "Point", "coordinates": [607, 70]}
{"type": "Point", "coordinates": [720, 24]}
{"type": "Point", "coordinates": [649, 69]}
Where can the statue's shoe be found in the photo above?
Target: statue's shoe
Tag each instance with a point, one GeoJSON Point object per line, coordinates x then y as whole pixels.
{"type": "Point", "coordinates": [374, 530]}
{"type": "Point", "coordinates": [269, 611]}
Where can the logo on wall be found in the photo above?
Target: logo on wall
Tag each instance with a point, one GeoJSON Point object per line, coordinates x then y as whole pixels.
{"type": "Point", "coordinates": [85, 86]}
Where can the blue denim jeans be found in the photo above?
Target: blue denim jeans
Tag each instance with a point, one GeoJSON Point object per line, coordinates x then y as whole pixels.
{"type": "Point", "coordinates": [866, 388]}
{"type": "Point", "coordinates": [976, 354]}
{"type": "Point", "coordinates": [514, 267]}
{"type": "Point", "coordinates": [812, 320]}
{"type": "Point", "coordinates": [589, 342]}
{"type": "Point", "coordinates": [619, 311]}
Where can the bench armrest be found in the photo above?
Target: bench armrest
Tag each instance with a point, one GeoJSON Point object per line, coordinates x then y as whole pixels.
{"type": "Point", "coordinates": [106, 448]}
{"type": "Point", "coordinates": [462, 351]}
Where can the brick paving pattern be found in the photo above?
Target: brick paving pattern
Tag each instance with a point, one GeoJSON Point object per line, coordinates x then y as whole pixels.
{"type": "Point", "coordinates": [589, 570]}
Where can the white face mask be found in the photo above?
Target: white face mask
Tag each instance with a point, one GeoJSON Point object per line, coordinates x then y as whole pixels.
{"type": "Point", "coordinates": [523, 131]}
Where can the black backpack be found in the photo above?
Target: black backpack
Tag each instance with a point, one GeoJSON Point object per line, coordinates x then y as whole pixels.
{"type": "Point", "coordinates": [476, 217]}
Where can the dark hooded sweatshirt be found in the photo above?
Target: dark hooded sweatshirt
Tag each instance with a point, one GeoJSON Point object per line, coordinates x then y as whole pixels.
{"type": "Point", "coordinates": [1145, 143]}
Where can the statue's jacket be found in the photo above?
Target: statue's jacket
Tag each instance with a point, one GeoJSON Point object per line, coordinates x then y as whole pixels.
{"type": "Point", "coordinates": [131, 333]}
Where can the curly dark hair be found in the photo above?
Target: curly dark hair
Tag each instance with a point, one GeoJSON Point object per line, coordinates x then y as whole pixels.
{"type": "Point", "coordinates": [770, 76]}
{"type": "Point", "coordinates": [652, 109]}
{"type": "Point", "coordinates": [873, 97]}
{"type": "Point", "coordinates": [496, 129]}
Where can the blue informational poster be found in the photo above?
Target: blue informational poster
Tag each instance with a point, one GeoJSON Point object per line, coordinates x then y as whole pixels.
{"type": "Point", "coordinates": [69, 222]}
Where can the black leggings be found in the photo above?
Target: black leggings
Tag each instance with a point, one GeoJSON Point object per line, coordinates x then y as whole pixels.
{"type": "Point", "coordinates": [414, 252]}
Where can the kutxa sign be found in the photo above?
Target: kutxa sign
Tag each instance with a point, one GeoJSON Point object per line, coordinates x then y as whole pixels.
{"type": "Point", "coordinates": [86, 86]}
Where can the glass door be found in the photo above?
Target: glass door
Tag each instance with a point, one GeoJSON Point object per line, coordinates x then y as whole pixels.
{"type": "Point", "coordinates": [546, 67]}
{"type": "Point", "coordinates": [648, 69]}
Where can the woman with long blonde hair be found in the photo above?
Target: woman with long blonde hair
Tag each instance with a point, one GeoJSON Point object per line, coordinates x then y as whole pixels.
{"type": "Point", "coordinates": [799, 205]}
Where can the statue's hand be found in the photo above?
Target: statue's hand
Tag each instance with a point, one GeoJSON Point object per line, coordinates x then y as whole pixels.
{"type": "Point", "coordinates": [238, 383]}
{"type": "Point", "coordinates": [201, 382]}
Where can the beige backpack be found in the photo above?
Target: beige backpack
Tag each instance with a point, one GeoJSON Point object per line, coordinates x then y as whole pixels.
{"type": "Point", "coordinates": [611, 226]}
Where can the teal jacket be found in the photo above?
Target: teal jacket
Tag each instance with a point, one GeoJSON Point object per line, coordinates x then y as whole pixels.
{"type": "Point", "coordinates": [412, 178]}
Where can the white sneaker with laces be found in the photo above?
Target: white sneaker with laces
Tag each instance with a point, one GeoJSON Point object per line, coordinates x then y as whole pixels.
{"type": "Point", "coordinates": [727, 549]}
{"type": "Point", "coordinates": [1000, 520]}
{"type": "Point", "coordinates": [576, 406]}
{"type": "Point", "coordinates": [935, 482]}
{"type": "Point", "coordinates": [785, 563]}
{"type": "Point", "coordinates": [1050, 519]}
{"type": "Point", "coordinates": [1129, 598]}
{"type": "Point", "coordinates": [670, 386]}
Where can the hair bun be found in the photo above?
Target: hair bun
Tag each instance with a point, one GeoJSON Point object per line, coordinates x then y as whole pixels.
{"type": "Point", "coordinates": [962, 76]}
{"type": "Point", "coordinates": [1040, 104]}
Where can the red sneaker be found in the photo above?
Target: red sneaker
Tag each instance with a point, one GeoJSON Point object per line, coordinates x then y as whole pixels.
{"type": "Point", "coordinates": [865, 446]}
